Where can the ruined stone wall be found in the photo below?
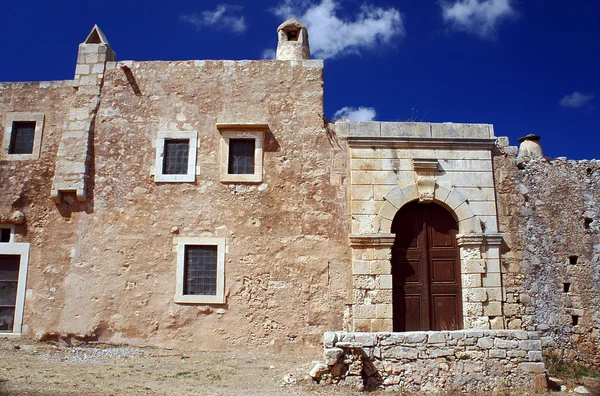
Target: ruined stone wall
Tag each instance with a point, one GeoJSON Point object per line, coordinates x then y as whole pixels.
{"type": "Point", "coordinates": [106, 267]}
{"type": "Point", "coordinates": [550, 217]}
{"type": "Point", "coordinates": [466, 361]}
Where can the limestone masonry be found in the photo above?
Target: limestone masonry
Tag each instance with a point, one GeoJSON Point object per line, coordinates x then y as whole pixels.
{"type": "Point", "coordinates": [209, 205]}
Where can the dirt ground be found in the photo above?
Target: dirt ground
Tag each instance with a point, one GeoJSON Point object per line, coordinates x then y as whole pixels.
{"type": "Point", "coordinates": [30, 368]}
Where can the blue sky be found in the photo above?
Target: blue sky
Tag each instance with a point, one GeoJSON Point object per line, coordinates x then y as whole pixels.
{"type": "Point", "coordinates": [527, 66]}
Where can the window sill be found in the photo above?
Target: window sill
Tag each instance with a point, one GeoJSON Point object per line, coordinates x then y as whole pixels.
{"type": "Point", "coordinates": [198, 299]}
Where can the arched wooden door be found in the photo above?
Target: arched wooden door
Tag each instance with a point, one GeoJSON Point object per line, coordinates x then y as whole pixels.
{"type": "Point", "coordinates": [426, 269]}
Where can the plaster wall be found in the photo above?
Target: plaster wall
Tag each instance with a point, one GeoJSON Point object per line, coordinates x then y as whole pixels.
{"type": "Point", "coordinates": [105, 267]}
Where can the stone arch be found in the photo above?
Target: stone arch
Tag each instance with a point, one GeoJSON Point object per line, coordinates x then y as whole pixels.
{"type": "Point", "coordinates": [453, 200]}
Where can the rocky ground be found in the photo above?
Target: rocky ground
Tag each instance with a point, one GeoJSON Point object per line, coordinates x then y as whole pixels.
{"type": "Point", "coordinates": [29, 368]}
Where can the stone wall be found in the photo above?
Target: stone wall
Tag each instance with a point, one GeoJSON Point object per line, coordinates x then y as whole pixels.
{"type": "Point", "coordinates": [467, 361]}
{"type": "Point", "coordinates": [106, 267]}
{"type": "Point", "coordinates": [550, 216]}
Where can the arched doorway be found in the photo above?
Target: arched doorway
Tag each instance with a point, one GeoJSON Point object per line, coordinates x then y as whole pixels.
{"type": "Point", "coordinates": [426, 269]}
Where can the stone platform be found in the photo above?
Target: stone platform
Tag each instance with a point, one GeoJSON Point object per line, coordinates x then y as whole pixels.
{"type": "Point", "coordinates": [462, 360]}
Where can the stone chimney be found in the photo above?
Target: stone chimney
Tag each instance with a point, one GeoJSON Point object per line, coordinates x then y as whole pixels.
{"type": "Point", "coordinates": [292, 41]}
{"type": "Point", "coordinates": [530, 146]}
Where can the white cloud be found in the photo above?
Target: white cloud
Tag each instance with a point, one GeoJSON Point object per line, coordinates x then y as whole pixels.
{"type": "Point", "coordinates": [356, 114]}
{"type": "Point", "coordinates": [269, 53]}
{"type": "Point", "coordinates": [480, 17]}
{"type": "Point", "coordinates": [577, 99]}
{"type": "Point", "coordinates": [221, 18]}
{"type": "Point", "coordinates": [332, 36]}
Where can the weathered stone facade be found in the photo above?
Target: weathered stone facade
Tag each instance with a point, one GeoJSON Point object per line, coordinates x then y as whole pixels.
{"type": "Point", "coordinates": [303, 240]}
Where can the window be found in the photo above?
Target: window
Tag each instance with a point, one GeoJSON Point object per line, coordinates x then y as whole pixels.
{"type": "Point", "coordinates": [200, 270]}
{"type": "Point", "coordinates": [176, 156]}
{"type": "Point", "coordinates": [7, 232]}
{"type": "Point", "coordinates": [22, 136]}
{"type": "Point", "coordinates": [242, 155]}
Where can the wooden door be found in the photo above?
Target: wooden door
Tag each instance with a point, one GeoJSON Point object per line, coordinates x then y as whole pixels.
{"type": "Point", "coordinates": [426, 269]}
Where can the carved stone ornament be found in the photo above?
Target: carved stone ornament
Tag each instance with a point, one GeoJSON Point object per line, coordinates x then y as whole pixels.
{"type": "Point", "coordinates": [425, 177]}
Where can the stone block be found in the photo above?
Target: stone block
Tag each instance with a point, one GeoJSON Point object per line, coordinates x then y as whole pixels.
{"type": "Point", "coordinates": [474, 266]}
{"type": "Point", "coordinates": [530, 345]}
{"type": "Point", "coordinates": [485, 343]}
{"type": "Point", "coordinates": [365, 207]}
{"type": "Point", "coordinates": [478, 294]}
{"type": "Point", "coordinates": [405, 129]}
{"type": "Point", "coordinates": [400, 352]}
{"type": "Point", "coordinates": [360, 267]}
{"type": "Point", "coordinates": [437, 338]}
{"type": "Point", "coordinates": [384, 253]}
{"type": "Point", "coordinates": [367, 339]}
{"type": "Point", "coordinates": [415, 337]}
{"type": "Point", "coordinates": [505, 344]}
{"type": "Point", "coordinates": [365, 164]}
{"type": "Point", "coordinates": [380, 267]}
{"type": "Point", "coordinates": [366, 282]}
{"type": "Point", "coordinates": [473, 333]}
{"type": "Point", "coordinates": [492, 308]}
{"type": "Point", "coordinates": [463, 211]}
{"type": "Point", "coordinates": [384, 311]}
{"type": "Point", "coordinates": [473, 308]}
{"type": "Point", "coordinates": [331, 355]}
{"type": "Point", "coordinates": [82, 69]}
{"type": "Point", "coordinates": [362, 324]}
{"type": "Point", "coordinates": [471, 280]}
{"type": "Point", "coordinates": [365, 129]}
{"type": "Point", "coordinates": [379, 325]}
{"type": "Point", "coordinates": [388, 211]}
{"type": "Point", "coordinates": [98, 68]}
{"type": "Point", "coordinates": [534, 356]}
{"type": "Point", "coordinates": [365, 312]}
{"type": "Point", "coordinates": [410, 192]}
{"type": "Point", "coordinates": [495, 294]}
{"type": "Point", "coordinates": [532, 367]}
{"type": "Point", "coordinates": [329, 339]}
{"type": "Point", "coordinates": [396, 197]}
{"type": "Point", "coordinates": [469, 355]}
{"type": "Point", "coordinates": [497, 323]}
{"type": "Point", "coordinates": [362, 192]}
{"type": "Point", "coordinates": [385, 281]}
{"type": "Point", "coordinates": [491, 279]}
{"type": "Point", "coordinates": [497, 353]}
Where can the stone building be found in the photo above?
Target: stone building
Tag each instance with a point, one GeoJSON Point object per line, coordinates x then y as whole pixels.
{"type": "Point", "coordinates": [208, 204]}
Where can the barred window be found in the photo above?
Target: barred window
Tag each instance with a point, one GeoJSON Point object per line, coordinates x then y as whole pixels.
{"type": "Point", "coordinates": [241, 156]}
{"type": "Point", "coordinates": [22, 137]}
{"type": "Point", "coordinates": [200, 270]}
{"type": "Point", "coordinates": [176, 154]}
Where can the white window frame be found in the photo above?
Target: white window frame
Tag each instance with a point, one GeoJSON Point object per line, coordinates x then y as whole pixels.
{"type": "Point", "coordinates": [190, 175]}
{"type": "Point", "coordinates": [259, 137]}
{"type": "Point", "coordinates": [219, 298]}
{"type": "Point", "coordinates": [12, 232]}
{"type": "Point", "coordinates": [38, 118]}
{"type": "Point", "coordinates": [20, 249]}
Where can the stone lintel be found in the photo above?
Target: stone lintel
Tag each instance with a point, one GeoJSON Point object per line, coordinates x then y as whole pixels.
{"type": "Point", "coordinates": [242, 125]}
{"type": "Point", "coordinates": [470, 239]}
{"type": "Point", "coordinates": [365, 240]}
